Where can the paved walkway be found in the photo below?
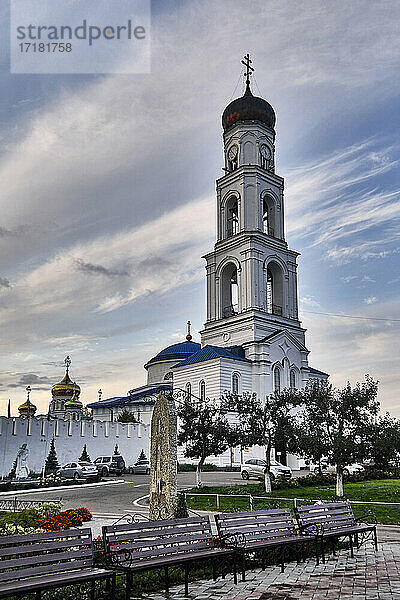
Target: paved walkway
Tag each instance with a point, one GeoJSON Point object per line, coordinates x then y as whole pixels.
{"type": "Point", "coordinates": [369, 575]}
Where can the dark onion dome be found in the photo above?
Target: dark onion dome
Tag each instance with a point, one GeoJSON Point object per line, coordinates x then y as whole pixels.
{"type": "Point", "coordinates": [176, 352]}
{"type": "Point", "coordinates": [248, 108]}
{"type": "Point", "coordinates": [66, 387]}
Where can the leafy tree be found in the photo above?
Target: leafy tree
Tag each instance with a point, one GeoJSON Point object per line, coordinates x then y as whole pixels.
{"type": "Point", "coordinates": [337, 423]}
{"type": "Point", "coordinates": [203, 431]}
{"type": "Point", "coordinates": [84, 457]}
{"type": "Point", "coordinates": [51, 464]}
{"type": "Point", "coordinates": [126, 416]}
{"type": "Point", "coordinates": [263, 423]}
{"type": "Point", "coordinates": [385, 440]}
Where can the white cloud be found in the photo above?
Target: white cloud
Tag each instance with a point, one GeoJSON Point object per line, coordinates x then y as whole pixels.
{"type": "Point", "coordinates": [370, 300]}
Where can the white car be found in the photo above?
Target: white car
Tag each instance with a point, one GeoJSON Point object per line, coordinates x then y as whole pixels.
{"type": "Point", "coordinates": [255, 467]}
{"type": "Point", "coordinates": [324, 467]}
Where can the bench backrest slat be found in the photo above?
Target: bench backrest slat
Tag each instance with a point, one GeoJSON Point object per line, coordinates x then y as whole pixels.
{"type": "Point", "coordinates": [258, 526]}
{"type": "Point", "coordinates": [332, 515]}
{"type": "Point", "coordinates": [30, 555]}
{"type": "Point", "coordinates": [145, 540]}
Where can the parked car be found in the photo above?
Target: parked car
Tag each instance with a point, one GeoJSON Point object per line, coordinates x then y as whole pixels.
{"type": "Point", "coordinates": [110, 465]}
{"type": "Point", "coordinates": [325, 467]}
{"type": "Point", "coordinates": [78, 470]}
{"type": "Point", "coordinates": [255, 467]}
{"type": "Point", "coordinates": [141, 467]}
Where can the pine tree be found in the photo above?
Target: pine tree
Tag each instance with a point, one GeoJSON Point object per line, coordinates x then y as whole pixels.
{"type": "Point", "coordinates": [142, 456]}
{"type": "Point", "coordinates": [84, 457]}
{"type": "Point", "coordinates": [181, 511]}
{"type": "Point", "coordinates": [51, 464]}
{"type": "Point", "coordinates": [116, 451]}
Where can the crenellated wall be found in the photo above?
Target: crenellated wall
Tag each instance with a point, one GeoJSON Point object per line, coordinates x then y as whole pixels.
{"type": "Point", "coordinates": [69, 436]}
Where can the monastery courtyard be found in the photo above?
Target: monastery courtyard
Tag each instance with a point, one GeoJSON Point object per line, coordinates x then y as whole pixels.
{"type": "Point", "coordinates": [369, 575]}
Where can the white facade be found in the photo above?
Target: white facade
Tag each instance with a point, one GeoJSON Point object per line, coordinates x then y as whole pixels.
{"type": "Point", "coordinates": [69, 438]}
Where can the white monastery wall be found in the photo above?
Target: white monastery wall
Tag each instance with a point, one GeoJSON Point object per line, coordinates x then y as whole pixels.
{"type": "Point", "coordinates": [69, 437]}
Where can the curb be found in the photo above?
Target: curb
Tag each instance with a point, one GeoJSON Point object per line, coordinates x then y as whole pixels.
{"type": "Point", "coordinates": [60, 487]}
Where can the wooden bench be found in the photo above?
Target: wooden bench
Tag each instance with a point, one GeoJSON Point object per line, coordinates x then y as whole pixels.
{"type": "Point", "coordinates": [41, 561]}
{"type": "Point", "coordinates": [336, 520]}
{"type": "Point", "coordinates": [135, 547]}
{"type": "Point", "coordinates": [262, 530]}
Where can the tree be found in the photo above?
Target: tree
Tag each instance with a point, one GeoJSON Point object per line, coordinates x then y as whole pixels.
{"type": "Point", "coordinates": [51, 464]}
{"type": "Point", "coordinates": [126, 416]}
{"type": "Point", "coordinates": [142, 456]}
{"type": "Point", "coordinates": [84, 457]}
{"type": "Point", "coordinates": [337, 423]}
{"type": "Point", "coordinates": [203, 431]}
{"type": "Point", "coordinates": [263, 423]}
{"type": "Point", "coordinates": [385, 440]}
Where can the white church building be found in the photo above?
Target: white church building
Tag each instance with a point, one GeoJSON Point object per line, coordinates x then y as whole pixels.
{"type": "Point", "coordinates": [252, 340]}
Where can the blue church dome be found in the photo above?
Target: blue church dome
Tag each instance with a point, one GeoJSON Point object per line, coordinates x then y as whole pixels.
{"type": "Point", "coordinates": [176, 352]}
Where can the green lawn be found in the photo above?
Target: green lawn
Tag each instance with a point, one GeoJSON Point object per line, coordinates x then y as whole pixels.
{"type": "Point", "coordinates": [384, 490]}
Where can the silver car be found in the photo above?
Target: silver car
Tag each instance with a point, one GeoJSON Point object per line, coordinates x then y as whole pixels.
{"type": "Point", "coordinates": [255, 467]}
{"type": "Point", "coordinates": [78, 470]}
{"type": "Point", "coordinates": [141, 467]}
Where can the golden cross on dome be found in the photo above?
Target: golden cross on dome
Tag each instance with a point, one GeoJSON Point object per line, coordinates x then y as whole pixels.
{"type": "Point", "coordinates": [189, 336]}
{"type": "Point", "coordinates": [247, 62]}
{"type": "Point", "coordinates": [67, 363]}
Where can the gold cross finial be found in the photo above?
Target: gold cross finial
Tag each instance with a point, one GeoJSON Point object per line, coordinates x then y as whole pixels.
{"type": "Point", "coordinates": [247, 62]}
{"type": "Point", "coordinates": [189, 336]}
{"type": "Point", "coordinates": [67, 363]}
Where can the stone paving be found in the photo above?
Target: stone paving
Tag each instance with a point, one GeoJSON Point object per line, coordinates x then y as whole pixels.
{"type": "Point", "coordinates": [369, 575]}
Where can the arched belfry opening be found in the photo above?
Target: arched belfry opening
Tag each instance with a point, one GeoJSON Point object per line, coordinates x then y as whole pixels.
{"type": "Point", "coordinates": [275, 297]}
{"type": "Point", "coordinates": [232, 217]}
{"type": "Point", "coordinates": [268, 209]}
{"type": "Point", "coordinates": [229, 290]}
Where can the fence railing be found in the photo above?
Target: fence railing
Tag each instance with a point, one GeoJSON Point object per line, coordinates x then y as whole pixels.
{"type": "Point", "coordinates": [294, 501]}
{"type": "Point", "coordinates": [16, 504]}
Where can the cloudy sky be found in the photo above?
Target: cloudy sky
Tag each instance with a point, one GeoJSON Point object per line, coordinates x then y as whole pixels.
{"type": "Point", "coordinates": [107, 192]}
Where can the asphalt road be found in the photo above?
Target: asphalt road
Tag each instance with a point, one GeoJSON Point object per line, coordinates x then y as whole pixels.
{"type": "Point", "coordinates": [118, 498]}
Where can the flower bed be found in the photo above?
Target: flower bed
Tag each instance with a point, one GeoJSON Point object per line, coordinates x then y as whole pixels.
{"type": "Point", "coordinates": [65, 520]}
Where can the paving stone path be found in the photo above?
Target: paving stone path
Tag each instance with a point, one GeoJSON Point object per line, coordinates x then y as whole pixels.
{"type": "Point", "coordinates": [369, 575]}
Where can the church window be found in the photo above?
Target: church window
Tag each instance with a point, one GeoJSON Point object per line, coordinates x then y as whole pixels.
{"type": "Point", "coordinates": [232, 216]}
{"type": "Point", "coordinates": [277, 380]}
{"type": "Point", "coordinates": [269, 216]}
{"type": "Point", "coordinates": [274, 290]}
{"type": "Point", "coordinates": [230, 290]}
{"type": "Point", "coordinates": [202, 390]}
{"type": "Point", "coordinates": [292, 378]}
{"type": "Point", "coordinates": [235, 384]}
{"type": "Point", "coordinates": [232, 156]}
{"type": "Point", "coordinates": [188, 392]}
{"type": "Point", "coordinates": [265, 157]}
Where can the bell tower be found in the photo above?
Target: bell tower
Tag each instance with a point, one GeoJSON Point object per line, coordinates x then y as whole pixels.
{"type": "Point", "coordinates": [251, 273]}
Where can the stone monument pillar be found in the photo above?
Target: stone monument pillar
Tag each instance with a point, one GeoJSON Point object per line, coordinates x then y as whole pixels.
{"type": "Point", "coordinates": [163, 459]}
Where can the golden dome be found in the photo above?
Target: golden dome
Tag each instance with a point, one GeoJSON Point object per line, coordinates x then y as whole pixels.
{"type": "Point", "coordinates": [66, 387]}
{"type": "Point", "coordinates": [27, 408]}
{"type": "Point", "coordinates": [73, 404]}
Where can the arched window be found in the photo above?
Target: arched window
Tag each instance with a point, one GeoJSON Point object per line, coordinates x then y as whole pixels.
{"type": "Point", "coordinates": [292, 378]}
{"type": "Point", "coordinates": [235, 384]}
{"type": "Point", "coordinates": [277, 380]}
{"type": "Point", "coordinates": [274, 291]}
{"type": "Point", "coordinates": [188, 390]}
{"type": "Point", "coordinates": [230, 290]}
{"type": "Point", "coordinates": [168, 376]}
{"type": "Point", "coordinates": [232, 217]}
{"type": "Point", "coordinates": [269, 216]}
{"type": "Point", "coordinates": [202, 390]}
